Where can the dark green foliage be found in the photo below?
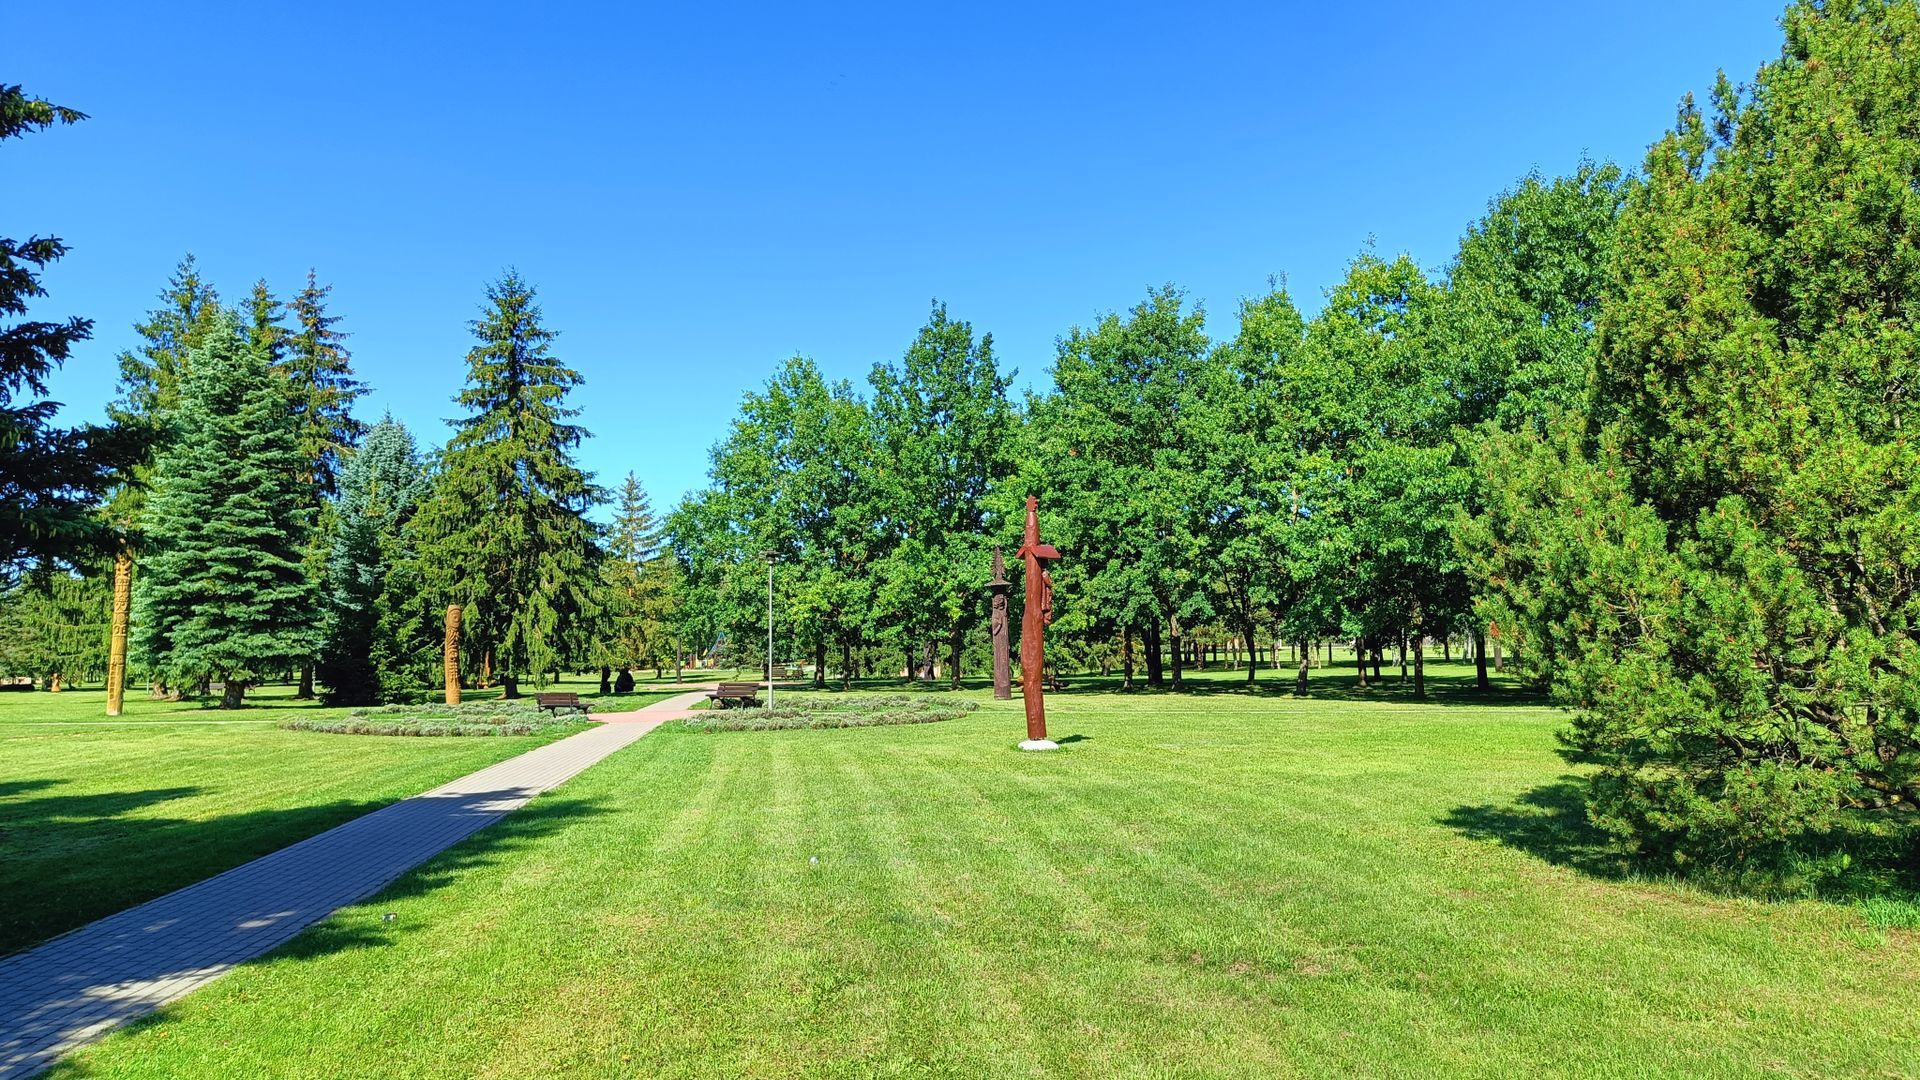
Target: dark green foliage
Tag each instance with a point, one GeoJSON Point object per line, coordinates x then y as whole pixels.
{"type": "Point", "coordinates": [151, 376]}
{"type": "Point", "coordinates": [56, 625]}
{"type": "Point", "coordinates": [320, 373]}
{"type": "Point", "coordinates": [50, 477]}
{"type": "Point", "coordinates": [504, 533]}
{"type": "Point", "coordinates": [378, 642]}
{"type": "Point", "coordinates": [1726, 550]}
{"type": "Point", "coordinates": [945, 428]}
{"type": "Point", "coordinates": [1118, 454]}
{"type": "Point", "coordinates": [640, 585]}
{"type": "Point", "coordinates": [223, 595]}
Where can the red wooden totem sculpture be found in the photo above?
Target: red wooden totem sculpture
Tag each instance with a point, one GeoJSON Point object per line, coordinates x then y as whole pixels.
{"type": "Point", "coordinates": [1038, 613]}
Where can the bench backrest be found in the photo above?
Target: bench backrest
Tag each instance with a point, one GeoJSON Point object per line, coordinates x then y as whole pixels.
{"type": "Point", "coordinates": [739, 688]}
{"type": "Point", "coordinates": [557, 699]}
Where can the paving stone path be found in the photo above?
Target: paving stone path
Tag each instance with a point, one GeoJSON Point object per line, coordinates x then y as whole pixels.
{"type": "Point", "coordinates": [74, 988]}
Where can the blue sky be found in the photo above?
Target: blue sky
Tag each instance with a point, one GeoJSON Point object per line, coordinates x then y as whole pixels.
{"type": "Point", "coordinates": [700, 191]}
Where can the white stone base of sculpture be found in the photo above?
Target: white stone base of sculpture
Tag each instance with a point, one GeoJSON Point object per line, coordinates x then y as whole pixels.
{"type": "Point", "coordinates": [1039, 744]}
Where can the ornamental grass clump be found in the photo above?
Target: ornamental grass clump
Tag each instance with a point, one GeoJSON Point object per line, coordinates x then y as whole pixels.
{"type": "Point", "coordinates": [469, 718]}
{"type": "Point", "coordinates": [795, 712]}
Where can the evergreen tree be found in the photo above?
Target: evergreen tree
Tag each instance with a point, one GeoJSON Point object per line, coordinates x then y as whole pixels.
{"type": "Point", "coordinates": [265, 333]}
{"type": "Point", "coordinates": [1725, 549]}
{"type": "Point", "coordinates": [373, 648]}
{"type": "Point", "coordinates": [639, 583]}
{"type": "Point", "coordinates": [54, 628]}
{"type": "Point", "coordinates": [320, 372]}
{"type": "Point", "coordinates": [49, 477]}
{"type": "Point", "coordinates": [505, 532]}
{"type": "Point", "coordinates": [322, 388]}
{"type": "Point", "coordinates": [151, 376]}
{"type": "Point", "coordinates": [224, 595]}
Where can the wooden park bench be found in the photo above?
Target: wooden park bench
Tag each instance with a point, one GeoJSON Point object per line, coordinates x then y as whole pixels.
{"type": "Point", "coordinates": [555, 702]}
{"type": "Point", "coordinates": [735, 693]}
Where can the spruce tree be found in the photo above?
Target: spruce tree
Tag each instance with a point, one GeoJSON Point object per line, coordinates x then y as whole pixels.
{"type": "Point", "coordinates": [49, 477]}
{"type": "Point", "coordinates": [151, 375]}
{"type": "Point", "coordinates": [321, 386]}
{"type": "Point", "coordinates": [320, 372]}
{"type": "Point", "coordinates": [639, 584]}
{"type": "Point", "coordinates": [224, 595]}
{"type": "Point", "coordinates": [505, 532]}
{"type": "Point", "coordinates": [371, 642]}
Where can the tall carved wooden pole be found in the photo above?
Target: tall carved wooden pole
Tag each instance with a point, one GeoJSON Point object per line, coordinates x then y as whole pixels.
{"type": "Point", "coordinates": [1033, 621]}
{"type": "Point", "coordinates": [1002, 664]}
{"type": "Point", "coordinates": [117, 643]}
{"type": "Point", "coordinates": [450, 654]}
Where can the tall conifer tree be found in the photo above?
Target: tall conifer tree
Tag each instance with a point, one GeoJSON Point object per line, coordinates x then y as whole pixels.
{"type": "Point", "coordinates": [224, 595]}
{"type": "Point", "coordinates": [49, 477]}
{"type": "Point", "coordinates": [371, 641]}
{"type": "Point", "coordinates": [505, 533]}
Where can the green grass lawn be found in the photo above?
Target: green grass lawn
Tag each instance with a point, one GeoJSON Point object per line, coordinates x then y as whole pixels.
{"type": "Point", "coordinates": [1207, 885]}
{"type": "Point", "coordinates": [97, 815]}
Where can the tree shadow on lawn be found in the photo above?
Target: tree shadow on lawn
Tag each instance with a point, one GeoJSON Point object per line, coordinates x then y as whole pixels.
{"type": "Point", "coordinates": [366, 927]}
{"type": "Point", "coordinates": [1549, 823]}
{"type": "Point", "coordinates": [66, 860]}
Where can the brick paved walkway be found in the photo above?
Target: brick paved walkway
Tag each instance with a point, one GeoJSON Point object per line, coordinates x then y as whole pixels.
{"type": "Point", "coordinates": [74, 988]}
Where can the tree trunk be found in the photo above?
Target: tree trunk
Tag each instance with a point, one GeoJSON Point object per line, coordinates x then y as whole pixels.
{"type": "Point", "coordinates": [1173, 632]}
{"type": "Point", "coordinates": [1126, 657]}
{"type": "Point", "coordinates": [1306, 657]}
{"type": "Point", "coordinates": [1496, 654]}
{"type": "Point", "coordinates": [954, 645]}
{"type": "Point", "coordinates": [1378, 656]}
{"type": "Point", "coordinates": [1156, 676]}
{"type": "Point", "coordinates": [820, 664]}
{"type": "Point", "coordinates": [1360, 660]}
{"type": "Point", "coordinates": [1419, 666]}
{"type": "Point", "coordinates": [1480, 660]}
{"type": "Point", "coordinates": [117, 647]}
{"type": "Point", "coordinates": [846, 666]}
{"type": "Point", "coordinates": [1403, 660]}
{"type": "Point", "coordinates": [1446, 648]}
{"type": "Point", "coordinates": [509, 686]}
{"type": "Point", "coordinates": [606, 679]}
{"type": "Point", "coordinates": [231, 693]}
{"type": "Point", "coordinates": [1252, 657]}
{"type": "Point", "coordinates": [305, 693]}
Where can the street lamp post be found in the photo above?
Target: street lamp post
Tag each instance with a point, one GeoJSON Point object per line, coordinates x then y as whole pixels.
{"type": "Point", "coordinates": [771, 556]}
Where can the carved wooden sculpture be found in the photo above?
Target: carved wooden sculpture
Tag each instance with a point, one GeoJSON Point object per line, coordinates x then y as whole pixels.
{"type": "Point", "coordinates": [1033, 621]}
{"type": "Point", "coordinates": [1002, 664]}
{"type": "Point", "coordinates": [450, 654]}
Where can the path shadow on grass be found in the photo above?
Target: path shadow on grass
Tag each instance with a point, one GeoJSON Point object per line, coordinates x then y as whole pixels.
{"type": "Point", "coordinates": [1549, 823]}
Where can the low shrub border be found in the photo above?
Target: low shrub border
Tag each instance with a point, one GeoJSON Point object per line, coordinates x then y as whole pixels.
{"type": "Point", "coordinates": [467, 718]}
{"type": "Point", "coordinates": [801, 711]}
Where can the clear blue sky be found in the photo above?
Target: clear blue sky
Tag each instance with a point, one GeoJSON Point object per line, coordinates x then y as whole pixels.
{"type": "Point", "coordinates": [701, 191]}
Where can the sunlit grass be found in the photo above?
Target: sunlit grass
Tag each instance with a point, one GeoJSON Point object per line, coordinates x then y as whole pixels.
{"type": "Point", "coordinates": [1215, 884]}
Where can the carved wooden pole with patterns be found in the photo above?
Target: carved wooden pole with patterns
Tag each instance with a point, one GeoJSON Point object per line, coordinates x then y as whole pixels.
{"type": "Point", "coordinates": [1002, 661]}
{"type": "Point", "coordinates": [117, 643]}
{"type": "Point", "coordinates": [450, 654]}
